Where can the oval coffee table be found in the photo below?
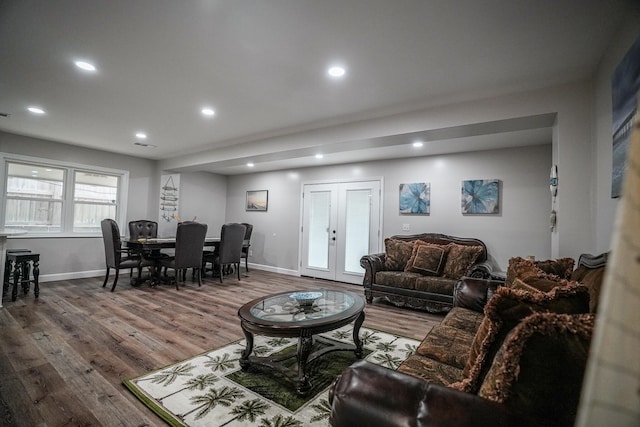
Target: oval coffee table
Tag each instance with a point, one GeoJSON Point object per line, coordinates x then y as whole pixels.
{"type": "Point", "coordinates": [280, 315]}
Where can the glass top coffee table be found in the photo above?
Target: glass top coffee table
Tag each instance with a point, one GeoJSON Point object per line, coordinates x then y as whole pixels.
{"type": "Point", "coordinates": [302, 315]}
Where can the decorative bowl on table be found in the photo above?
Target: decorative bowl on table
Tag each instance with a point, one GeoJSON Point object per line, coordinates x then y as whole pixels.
{"type": "Point", "coordinates": [305, 298]}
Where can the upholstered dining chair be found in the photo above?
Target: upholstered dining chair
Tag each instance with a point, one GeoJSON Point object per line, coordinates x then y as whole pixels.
{"type": "Point", "coordinates": [116, 256]}
{"type": "Point", "coordinates": [143, 229]}
{"type": "Point", "coordinates": [189, 244]}
{"type": "Point", "coordinates": [246, 245]}
{"type": "Point", "coordinates": [230, 249]}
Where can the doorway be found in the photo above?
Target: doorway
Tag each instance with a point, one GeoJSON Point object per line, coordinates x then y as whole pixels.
{"type": "Point", "coordinates": [340, 224]}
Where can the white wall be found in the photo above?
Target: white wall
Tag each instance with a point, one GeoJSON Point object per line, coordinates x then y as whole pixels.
{"type": "Point", "coordinates": [204, 195]}
{"type": "Point", "coordinates": [521, 228]}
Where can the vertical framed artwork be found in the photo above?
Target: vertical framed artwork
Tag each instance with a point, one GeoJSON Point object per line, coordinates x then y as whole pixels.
{"type": "Point", "coordinates": [415, 198]}
{"type": "Point", "coordinates": [480, 196]}
{"type": "Point", "coordinates": [257, 200]}
{"type": "Point", "coordinates": [625, 93]}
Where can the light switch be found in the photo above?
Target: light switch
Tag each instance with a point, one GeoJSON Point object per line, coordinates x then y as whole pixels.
{"type": "Point", "coordinates": [405, 227]}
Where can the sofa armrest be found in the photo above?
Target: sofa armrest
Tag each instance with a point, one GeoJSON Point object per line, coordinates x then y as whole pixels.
{"type": "Point", "coordinates": [371, 395]}
{"type": "Point", "coordinates": [473, 293]}
{"type": "Point", "coordinates": [481, 270]}
{"type": "Point", "coordinates": [371, 263]}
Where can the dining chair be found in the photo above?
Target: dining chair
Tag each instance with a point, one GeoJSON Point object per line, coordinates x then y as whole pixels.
{"type": "Point", "coordinates": [246, 245]}
{"type": "Point", "coordinates": [116, 256]}
{"type": "Point", "coordinates": [230, 249]}
{"type": "Point", "coordinates": [143, 229]}
{"type": "Point", "coordinates": [189, 243]}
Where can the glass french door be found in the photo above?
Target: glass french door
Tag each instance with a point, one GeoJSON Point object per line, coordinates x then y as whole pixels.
{"type": "Point", "coordinates": [340, 224]}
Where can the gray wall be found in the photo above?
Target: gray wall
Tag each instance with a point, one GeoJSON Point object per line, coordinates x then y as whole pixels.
{"type": "Point", "coordinates": [521, 228]}
{"type": "Point", "coordinates": [62, 258]}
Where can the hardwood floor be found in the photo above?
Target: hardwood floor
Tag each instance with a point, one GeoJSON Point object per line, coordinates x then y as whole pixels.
{"type": "Point", "coordinates": [63, 357]}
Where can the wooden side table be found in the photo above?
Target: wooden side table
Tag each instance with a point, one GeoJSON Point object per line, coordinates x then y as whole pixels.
{"type": "Point", "coordinates": [20, 266]}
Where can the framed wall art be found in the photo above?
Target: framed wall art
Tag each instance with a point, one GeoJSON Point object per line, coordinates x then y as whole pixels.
{"type": "Point", "coordinates": [625, 94]}
{"type": "Point", "coordinates": [480, 196]}
{"type": "Point", "coordinates": [415, 198]}
{"type": "Point", "coordinates": [257, 200]}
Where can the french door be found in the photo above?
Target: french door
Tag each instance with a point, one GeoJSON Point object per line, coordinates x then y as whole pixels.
{"type": "Point", "coordinates": [340, 224]}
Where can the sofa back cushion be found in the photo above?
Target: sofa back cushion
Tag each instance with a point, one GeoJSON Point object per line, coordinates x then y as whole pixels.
{"type": "Point", "coordinates": [427, 258]}
{"type": "Point", "coordinates": [397, 253]}
{"type": "Point", "coordinates": [540, 367]}
{"type": "Point", "coordinates": [592, 278]}
{"type": "Point", "coordinates": [503, 312]}
{"type": "Point", "coordinates": [459, 259]}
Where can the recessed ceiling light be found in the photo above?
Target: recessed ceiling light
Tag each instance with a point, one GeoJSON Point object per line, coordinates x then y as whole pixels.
{"type": "Point", "coordinates": [209, 112]}
{"type": "Point", "coordinates": [319, 156]}
{"type": "Point", "coordinates": [250, 165]}
{"type": "Point", "coordinates": [85, 66]}
{"type": "Point", "coordinates": [336, 71]}
{"type": "Point", "coordinates": [418, 144]}
{"type": "Point", "coordinates": [36, 172]}
{"type": "Point", "coordinates": [141, 135]}
{"type": "Point", "coordinates": [36, 110]}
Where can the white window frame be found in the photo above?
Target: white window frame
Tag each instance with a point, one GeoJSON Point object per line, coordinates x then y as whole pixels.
{"type": "Point", "coordinates": [69, 188]}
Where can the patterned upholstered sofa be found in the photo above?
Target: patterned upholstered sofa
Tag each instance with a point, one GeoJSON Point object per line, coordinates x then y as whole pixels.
{"type": "Point", "coordinates": [421, 270]}
{"type": "Point", "coordinates": [507, 354]}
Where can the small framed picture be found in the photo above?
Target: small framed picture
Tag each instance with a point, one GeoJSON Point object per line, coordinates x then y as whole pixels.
{"type": "Point", "coordinates": [257, 200]}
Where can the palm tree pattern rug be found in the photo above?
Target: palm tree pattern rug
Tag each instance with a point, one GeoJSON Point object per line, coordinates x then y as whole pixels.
{"type": "Point", "coordinates": [211, 390]}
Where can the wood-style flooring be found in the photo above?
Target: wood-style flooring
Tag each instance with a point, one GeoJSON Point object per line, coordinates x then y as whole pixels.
{"type": "Point", "coordinates": [63, 357]}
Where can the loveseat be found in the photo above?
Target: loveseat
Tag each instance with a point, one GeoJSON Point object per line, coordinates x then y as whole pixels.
{"type": "Point", "coordinates": [421, 270]}
{"type": "Point", "coordinates": [507, 354]}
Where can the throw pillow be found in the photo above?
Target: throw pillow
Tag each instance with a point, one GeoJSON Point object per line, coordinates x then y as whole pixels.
{"type": "Point", "coordinates": [397, 253]}
{"type": "Point", "coordinates": [427, 258]}
{"type": "Point", "coordinates": [504, 311]}
{"type": "Point", "coordinates": [540, 367]}
{"type": "Point", "coordinates": [561, 267]}
{"type": "Point", "coordinates": [459, 259]}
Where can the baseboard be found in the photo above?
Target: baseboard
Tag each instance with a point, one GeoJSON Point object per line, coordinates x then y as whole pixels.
{"type": "Point", "coordinates": [72, 275]}
{"type": "Point", "coordinates": [100, 273]}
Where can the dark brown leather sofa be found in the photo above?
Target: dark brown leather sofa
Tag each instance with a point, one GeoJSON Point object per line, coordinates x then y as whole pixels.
{"type": "Point", "coordinates": [520, 363]}
{"type": "Point", "coordinates": [389, 274]}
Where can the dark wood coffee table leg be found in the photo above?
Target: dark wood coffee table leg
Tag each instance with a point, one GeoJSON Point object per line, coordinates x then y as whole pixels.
{"type": "Point", "coordinates": [304, 350]}
{"type": "Point", "coordinates": [356, 335]}
{"type": "Point", "coordinates": [244, 359]}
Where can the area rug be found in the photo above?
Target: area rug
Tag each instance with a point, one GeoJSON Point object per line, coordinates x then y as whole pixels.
{"type": "Point", "coordinates": [211, 390]}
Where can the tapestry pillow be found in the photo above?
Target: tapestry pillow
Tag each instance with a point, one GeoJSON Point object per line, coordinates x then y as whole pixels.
{"type": "Point", "coordinates": [504, 311]}
{"type": "Point", "coordinates": [397, 253]}
{"type": "Point", "coordinates": [561, 267]}
{"type": "Point", "coordinates": [540, 367]}
{"type": "Point", "coordinates": [592, 278]}
{"type": "Point", "coordinates": [427, 258]}
{"type": "Point", "coordinates": [524, 269]}
{"type": "Point", "coordinates": [459, 259]}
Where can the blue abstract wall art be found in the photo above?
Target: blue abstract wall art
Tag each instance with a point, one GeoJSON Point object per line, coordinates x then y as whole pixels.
{"type": "Point", "coordinates": [481, 196]}
{"type": "Point", "coordinates": [415, 198]}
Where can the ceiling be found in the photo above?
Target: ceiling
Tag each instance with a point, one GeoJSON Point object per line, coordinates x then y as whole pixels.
{"type": "Point", "coordinates": [261, 65]}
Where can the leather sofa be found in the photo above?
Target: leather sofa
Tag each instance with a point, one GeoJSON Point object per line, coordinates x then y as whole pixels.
{"type": "Point", "coordinates": [507, 354]}
{"type": "Point", "coordinates": [420, 271]}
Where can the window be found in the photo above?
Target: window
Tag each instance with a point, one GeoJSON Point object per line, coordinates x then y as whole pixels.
{"type": "Point", "coordinates": [51, 198]}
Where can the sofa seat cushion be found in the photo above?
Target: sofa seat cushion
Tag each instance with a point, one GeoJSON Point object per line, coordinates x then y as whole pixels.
{"type": "Point", "coordinates": [448, 345]}
{"type": "Point", "coordinates": [427, 258]}
{"type": "Point", "coordinates": [435, 284]}
{"type": "Point", "coordinates": [503, 312]}
{"type": "Point", "coordinates": [463, 319]}
{"type": "Point", "coordinates": [430, 370]}
{"type": "Point", "coordinates": [398, 279]}
{"type": "Point", "coordinates": [540, 367]}
{"type": "Point", "coordinates": [397, 253]}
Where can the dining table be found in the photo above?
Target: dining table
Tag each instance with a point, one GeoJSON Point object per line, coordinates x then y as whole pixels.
{"type": "Point", "coordinates": [150, 248]}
